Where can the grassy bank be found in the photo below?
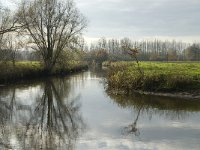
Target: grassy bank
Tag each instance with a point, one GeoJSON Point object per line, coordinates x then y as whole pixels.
{"type": "Point", "coordinates": [158, 76]}
{"type": "Point", "coordinates": [28, 70]}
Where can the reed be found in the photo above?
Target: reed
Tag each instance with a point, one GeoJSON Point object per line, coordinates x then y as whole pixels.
{"type": "Point", "coordinates": [28, 69]}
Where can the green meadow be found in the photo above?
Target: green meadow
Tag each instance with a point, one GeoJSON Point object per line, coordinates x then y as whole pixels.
{"type": "Point", "coordinates": [157, 76]}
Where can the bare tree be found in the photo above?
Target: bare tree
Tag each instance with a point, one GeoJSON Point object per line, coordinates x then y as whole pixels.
{"type": "Point", "coordinates": [8, 23]}
{"type": "Point", "coordinates": [7, 27]}
{"type": "Point", "coordinates": [4, 25]}
{"type": "Point", "coordinates": [53, 26]}
{"type": "Point", "coordinates": [13, 45]}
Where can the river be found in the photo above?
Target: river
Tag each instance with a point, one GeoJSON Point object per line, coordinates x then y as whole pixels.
{"type": "Point", "coordinates": [77, 113]}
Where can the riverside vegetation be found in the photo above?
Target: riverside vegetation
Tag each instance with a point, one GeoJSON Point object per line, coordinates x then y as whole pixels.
{"type": "Point", "coordinates": [32, 69]}
{"type": "Point", "coordinates": [157, 76]}
{"type": "Point", "coordinates": [49, 38]}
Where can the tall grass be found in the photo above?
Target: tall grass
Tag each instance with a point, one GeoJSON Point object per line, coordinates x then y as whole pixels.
{"type": "Point", "coordinates": [30, 69]}
{"type": "Point", "coordinates": [157, 76]}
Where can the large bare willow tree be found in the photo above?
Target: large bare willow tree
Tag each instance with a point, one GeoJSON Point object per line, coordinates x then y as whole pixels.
{"type": "Point", "coordinates": [8, 28]}
{"type": "Point", "coordinates": [53, 25]}
{"type": "Point", "coordinates": [8, 23]}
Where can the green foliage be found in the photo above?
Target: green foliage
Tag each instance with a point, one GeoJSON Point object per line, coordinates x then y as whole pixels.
{"type": "Point", "coordinates": [157, 76]}
{"type": "Point", "coordinates": [68, 56]}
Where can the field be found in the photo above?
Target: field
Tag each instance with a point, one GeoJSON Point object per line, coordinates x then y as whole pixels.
{"type": "Point", "coordinates": [31, 69]}
{"type": "Point", "coordinates": [157, 76]}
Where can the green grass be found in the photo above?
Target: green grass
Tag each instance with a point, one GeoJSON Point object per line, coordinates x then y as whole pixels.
{"type": "Point", "coordinates": [158, 76]}
{"type": "Point", "coordinates": [30, 69]}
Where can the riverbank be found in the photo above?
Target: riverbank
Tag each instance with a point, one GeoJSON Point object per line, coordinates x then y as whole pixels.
{"type": "Point", "coordinates": [30, 70]}
{"type": "Point", "coordinates": [172, 79]}
{"type": "Point", "coordinates": [137, 100]}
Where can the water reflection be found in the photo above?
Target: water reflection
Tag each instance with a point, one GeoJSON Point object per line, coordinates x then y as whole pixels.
{"type": "Point", "coordinates": [50, 120]}
{"type": "Point", "coordinates": [99, 72]}
{"type": "Point", "coordinates": [49, 115]}
{"type": "Point", "coordinates": [132, 128]}
{"type": "Point", "coordinates": [171, 108]}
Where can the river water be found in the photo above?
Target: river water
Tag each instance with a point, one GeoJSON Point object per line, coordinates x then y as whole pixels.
{"type": "Point", "coordinates": [76, 113]}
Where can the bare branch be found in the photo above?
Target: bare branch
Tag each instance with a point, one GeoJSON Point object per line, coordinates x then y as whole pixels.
{"type": "Point", "coordinates": [52, 25]}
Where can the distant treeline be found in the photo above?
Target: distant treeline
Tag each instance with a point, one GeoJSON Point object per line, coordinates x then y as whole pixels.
{"type": "Point", "coordinates": [117, 50]}
{"type": "Point", "coordinates": [154, 50]}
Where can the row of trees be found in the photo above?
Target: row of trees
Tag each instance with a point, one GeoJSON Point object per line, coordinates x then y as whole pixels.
{"type": "Point", "coordinates": [154, 50]}
{"type": "Point", "coordinates": [50, 27]}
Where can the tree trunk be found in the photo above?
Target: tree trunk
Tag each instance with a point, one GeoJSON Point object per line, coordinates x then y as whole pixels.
{"type": "Point", "coordinates": [48, 66]}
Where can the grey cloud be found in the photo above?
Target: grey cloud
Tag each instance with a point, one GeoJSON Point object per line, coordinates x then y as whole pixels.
{"type": "Point", "coordinates": [142, 17]}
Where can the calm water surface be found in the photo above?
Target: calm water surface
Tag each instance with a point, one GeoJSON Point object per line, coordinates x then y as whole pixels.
{"type": "Point", "coordinates": [76, 113]}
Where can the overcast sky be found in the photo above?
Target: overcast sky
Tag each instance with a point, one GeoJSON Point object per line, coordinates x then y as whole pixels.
{"type": "Point", "coordinates": [141, 19]}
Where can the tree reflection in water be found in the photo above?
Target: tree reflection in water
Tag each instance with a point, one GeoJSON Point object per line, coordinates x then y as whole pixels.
{"type": "Point", "coordinates": [173, 108]}
{"type": "Point", "coordinates": [6, 113]}
{"type": "Point", "coordinates": [132, 128]}
{"type": "Point", "coordinates": [53, 121]}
